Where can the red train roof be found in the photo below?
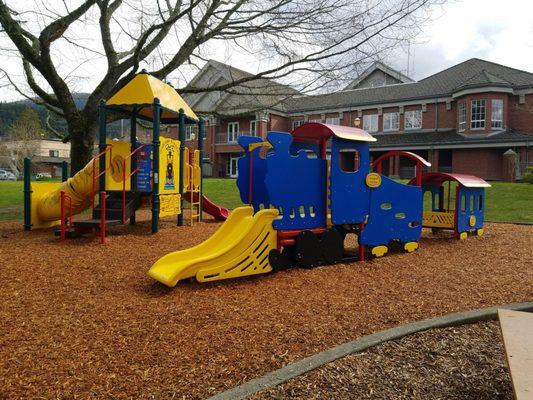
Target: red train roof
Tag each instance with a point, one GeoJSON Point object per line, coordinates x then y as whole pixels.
{"type": "Point", "coordinates": [436, 178]}
{"type": "Point", "coordinates": [316, 132]}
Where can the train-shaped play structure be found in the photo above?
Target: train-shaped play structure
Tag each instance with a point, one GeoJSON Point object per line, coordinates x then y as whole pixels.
{"type": "Point", "coordinates": [302, 204]}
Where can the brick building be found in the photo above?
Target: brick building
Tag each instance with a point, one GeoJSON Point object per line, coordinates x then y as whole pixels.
{"type": "Point", "coordinates": [475, 117]}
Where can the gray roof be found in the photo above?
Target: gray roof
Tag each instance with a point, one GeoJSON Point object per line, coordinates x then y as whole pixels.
{"type": "Point", "coordinates": [468, 74]}
{"type": "Point", "coordinates": [252, 95]}
{"type": "Point", "coordinates": [412, 139]}
{"type": "Point", "coordinates": [378, 65]}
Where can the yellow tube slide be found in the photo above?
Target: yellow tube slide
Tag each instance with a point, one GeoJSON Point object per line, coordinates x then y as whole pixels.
{"type": "Point", "coordinates": [240, 247]}
{"type": "Point", "coordinates": [46, 197]}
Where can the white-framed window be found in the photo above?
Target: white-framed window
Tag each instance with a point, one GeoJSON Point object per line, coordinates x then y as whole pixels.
{"type": "Point", "coordinates": [233, 131]}
{"type": "Point", "coordinates": [413, 119]}
{"type": "Point", "coordinates": [461, 113]}
{"type": "Point", "coordinates": [497, 113]}
{"type": "Point", "coordinates": [253, 128]}
{"type": "Point", "coordinates": [190, 132]}
{"type": "Point", "coordinates": [53, 153]}
{"type": "Point", "coordinates": [477, 114]}
{"type": "Point", "coordinates": [297, 123]}
{"type": "Point", "coordinates": [391, 121]}
{"type": "Point", "coordinates": [370, 122]}
{"type": "Point", "coordinates": [333, 121]}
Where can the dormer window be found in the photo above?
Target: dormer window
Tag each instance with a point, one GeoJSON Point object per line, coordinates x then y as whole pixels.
{"type": "Point", "coordinates": [497, 113]}
{"type": "Point", "coordinates": [477, 115]}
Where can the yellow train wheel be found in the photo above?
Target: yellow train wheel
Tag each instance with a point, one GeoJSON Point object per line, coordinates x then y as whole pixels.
{"type": "Point", "coordinates": [463, 235]}
{"type": "Point", "coordinates": [379, 251]}
{"type": "Point", "coordinates": [480, 232]}
{"type": "Point", "coordinates": [410, 246]}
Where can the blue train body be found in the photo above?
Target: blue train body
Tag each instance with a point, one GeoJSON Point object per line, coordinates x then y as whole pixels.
{"type": "Point", "coordinates": [341, 195]}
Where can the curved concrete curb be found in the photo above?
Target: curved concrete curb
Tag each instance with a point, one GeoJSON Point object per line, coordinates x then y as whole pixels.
{"type": "Point", "coordinates": [307, 364]}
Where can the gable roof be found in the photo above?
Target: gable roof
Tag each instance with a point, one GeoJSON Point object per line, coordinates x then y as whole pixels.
{"type": "Point", "coordinates": [468, 74]}
{"type": "Point", "coordinates": [378, 66]}
{"type": "Point", "coordinates": [256, 94]}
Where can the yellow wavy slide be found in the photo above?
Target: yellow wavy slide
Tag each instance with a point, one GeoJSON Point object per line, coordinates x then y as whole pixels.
{"type": "Point", "coordinates": [240, 247]}
{"type": "Point", "coordinates": [46, 197]}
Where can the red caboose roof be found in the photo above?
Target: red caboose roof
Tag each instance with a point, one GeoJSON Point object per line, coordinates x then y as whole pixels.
{"type": "Point", "coordinates": [316, 132]}
{"type": "Point", "coordinates": [436, 178]}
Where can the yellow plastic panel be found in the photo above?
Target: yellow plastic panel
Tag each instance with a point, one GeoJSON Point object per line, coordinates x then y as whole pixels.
{"type": "Point", "coordinates": [169, 205]}
{"type": "Point", "coordinates": [244, 236]}
{"type": "Point", "coordinates": [169, 162]}
{"type": "Point", "coordinates": [115, 162]}
{"type": "Point", "coordinates": [437, 219]}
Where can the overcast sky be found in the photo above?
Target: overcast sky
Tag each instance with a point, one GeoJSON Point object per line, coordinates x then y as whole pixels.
{"type": "Point", "coordinates": [495, 30]}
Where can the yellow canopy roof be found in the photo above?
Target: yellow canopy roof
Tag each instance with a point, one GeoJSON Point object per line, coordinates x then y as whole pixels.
{"type": "Point", "coordinates": [141, 91]}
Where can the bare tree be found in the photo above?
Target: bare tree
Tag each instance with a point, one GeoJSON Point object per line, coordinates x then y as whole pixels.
{"type": "Point", "coordinates": [23, 136]}
{"type": "Point", "coordinates": [306, 43]}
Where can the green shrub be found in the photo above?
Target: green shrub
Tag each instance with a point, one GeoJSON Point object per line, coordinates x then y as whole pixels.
{"type": "Point", "coordinates": [528, 175]}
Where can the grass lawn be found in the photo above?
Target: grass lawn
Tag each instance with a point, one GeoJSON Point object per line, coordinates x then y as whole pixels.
{"type": "Point", "coordinates": [505, 201]}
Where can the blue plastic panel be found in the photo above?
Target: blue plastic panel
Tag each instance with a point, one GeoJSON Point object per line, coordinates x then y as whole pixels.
{"type": "Point", "coordinates": [259, 191]}
{"type": "Point", "coordinates": [144, 163]}
{"type": "Point", "coordinates": [471, 203]}
{"type": "Point", "coordinates": [296, 185]}
{"type": "Point", "coordinates": [349, 195]}
{"type": "Point", "coordinates": [395, 214]}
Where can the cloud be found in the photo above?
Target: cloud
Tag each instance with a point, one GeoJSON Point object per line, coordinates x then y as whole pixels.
{"type": "Point", "coordinates": [496, 31]}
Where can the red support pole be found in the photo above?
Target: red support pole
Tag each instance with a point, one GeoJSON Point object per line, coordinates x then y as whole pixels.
{"type": "Point", "coordinates": [418, 174]}
{"type": "Point", "coordinates": [361, 248]}
{"type": "Point", "coordinates": [102, 217]}
{"type": "Point", "coordinates": [379, 168]}
{"type": "Point", "coordinates": [63, 222]}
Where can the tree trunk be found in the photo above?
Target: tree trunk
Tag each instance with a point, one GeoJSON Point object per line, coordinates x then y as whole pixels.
{"type": "Point", "coordinates": [82, 139]}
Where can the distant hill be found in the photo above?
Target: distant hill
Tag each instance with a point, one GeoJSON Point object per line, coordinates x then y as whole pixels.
{"type": "Point", "coordinates": [10, 111]}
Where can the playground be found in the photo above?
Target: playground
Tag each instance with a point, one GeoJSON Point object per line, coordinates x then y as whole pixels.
{"type": "Point", "coordinates": [121, 280]}
{"type": "Point", "coordinates": [84, 319]}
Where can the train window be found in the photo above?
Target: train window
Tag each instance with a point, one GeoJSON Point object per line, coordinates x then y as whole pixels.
{"type": "Point", "coordinates": [302, 211]}
{"type": "Point", "coordinates": [472, 203]}
{"type": "Point", "coordinates": [386, 206]}
{"type": "Point", "coordinates": [463, 203]}
{"type": "Point", "coordinates": [292, 214]}
{"type": "Point", "coordinates": [349, 160]}
{"type": "Point", "coordinates": [480, 203]}
{"type": "Point", "coordinates": [413, 224]}
{"type": "Point", "coordinates": [399, 215]}
{"type": "Point", "coordinates": [312, 211]}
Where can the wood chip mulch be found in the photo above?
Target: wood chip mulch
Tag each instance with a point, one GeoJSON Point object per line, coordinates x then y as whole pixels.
{"type": "Point", "coordinates": [463, 363]}
{"type": "Point", "coordinates": [80, 319]}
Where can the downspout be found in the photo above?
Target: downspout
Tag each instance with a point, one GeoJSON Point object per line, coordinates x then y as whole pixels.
{"type": "Point", "coordinates": [436, 116]}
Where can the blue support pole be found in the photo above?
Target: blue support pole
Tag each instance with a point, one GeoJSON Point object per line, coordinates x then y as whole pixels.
{"type": "Point", "coordinates": [27, 194]}
{"type": "Point", "coordinates": [155, 166]}
{"type": "Point", "coordinates": [181, 131]}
